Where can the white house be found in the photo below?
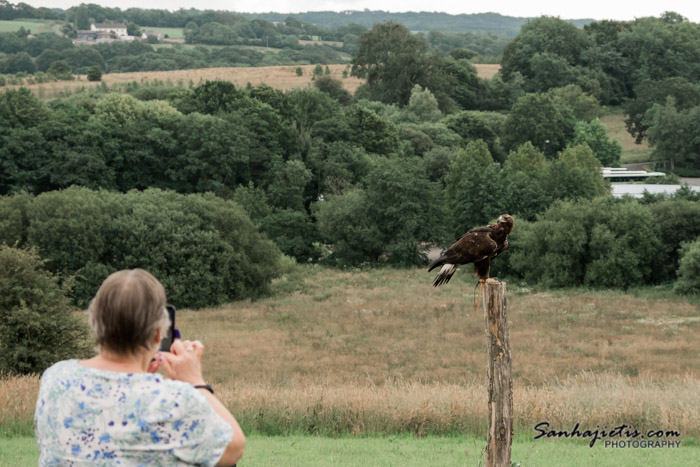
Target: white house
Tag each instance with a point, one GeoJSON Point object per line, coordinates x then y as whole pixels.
{"type": "Point", "coordinates": [118, 28]}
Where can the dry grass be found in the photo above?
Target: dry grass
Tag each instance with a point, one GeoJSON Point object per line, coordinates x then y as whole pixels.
{"type": "Point", "coordinates": [381, 351]}
{"type": "Point", "coordinates": [279, 77]}
{"type": "Point", "coordinates": [487, 70]}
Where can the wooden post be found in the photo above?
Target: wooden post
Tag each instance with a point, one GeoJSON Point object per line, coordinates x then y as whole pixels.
{"type": "Point", "coordinates": [500, 437]}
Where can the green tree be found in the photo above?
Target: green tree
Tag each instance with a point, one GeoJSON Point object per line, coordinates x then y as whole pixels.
{"type": "Point", "coordinates": [689, 270]}
{"type": "Point", "coordinates": [60, 70]}
{"type": "Point", "coordinates": [472, 188]}
{"type": "Point", "coordinates": [37, 326]}
{"type": "Point", "coordinates": [537, 118]}
{"type": "Point", "coordinates": [406, 207]}
{"type": "Point", "coordinates": [205, 249]}
{"type": "Point", "coordinates": [594, 134]}
{"type": "Point", "coordinates": [678, 222]}
{"type": "Point", "coordinates": [333, 88]}
{"type": "Point", "coordinates": [20, 62]}
{"type": "Point", "coordinates": [345, 222]}
{"type": "Point", "coordinates": [374, 133]}
{"type": "Point", "coordinates": [545, 53]}
{"type": "Point", "coordinates": [588, 242]}
{"type": "Point", "coordinates": [424, 105]}
{"type": "Point", "coordinates": [584, 106]}
{"type": "Point", "coordinates": [673, 135]}
{"type": "Point", "coordinates": [391, 59]}
{"type": "Point", "coordinates": [94, 73]}
{"type": "Point", "coordinates": [648, 93]}
{"type": "Point", "coordinates": [487, 126]}
{"type": "Point", "coordinates": [82, 18]}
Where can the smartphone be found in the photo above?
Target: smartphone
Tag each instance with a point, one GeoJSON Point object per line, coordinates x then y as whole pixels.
{"type": "Point", "coordinates": [172, 332]}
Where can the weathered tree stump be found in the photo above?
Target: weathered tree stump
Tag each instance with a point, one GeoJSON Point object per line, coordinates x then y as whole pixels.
{"type": "Point", "coordinates": [500, 437]}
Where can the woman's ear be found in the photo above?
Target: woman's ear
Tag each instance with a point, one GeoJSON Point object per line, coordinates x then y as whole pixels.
{"type": "Point", "coordinates": [159, 336]}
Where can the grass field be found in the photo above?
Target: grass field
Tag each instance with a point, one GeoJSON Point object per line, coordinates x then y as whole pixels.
{"type": "Point", "coordinates": [314, 451]}
{"type": "Point", "coordinates": [280, 77]}
{"type": "Point", "coordinates": [173, 33]}
{"type": "Point", "coordinates": [380, 352]}
{"type": "Point", "coordinates": [631, 151]}
{"type": "Point", "coordinates": [35, 26]}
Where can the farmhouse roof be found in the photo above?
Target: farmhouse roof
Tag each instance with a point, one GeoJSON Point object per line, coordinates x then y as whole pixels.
{"type": "Point", "coordinates": [110, 26]}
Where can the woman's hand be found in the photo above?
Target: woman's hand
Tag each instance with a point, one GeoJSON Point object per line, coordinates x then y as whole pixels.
{"type": "Point", "coordinates": [184, 361]}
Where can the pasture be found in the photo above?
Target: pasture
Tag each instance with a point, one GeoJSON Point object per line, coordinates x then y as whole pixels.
{"type": "Point", "coordinates": [631, 151]}
{"type": "Point", "coordinates": [35, 26]}
{"type": "Point", "coordinates": [376, 355]}
{"type": "Point", "coordinates": [315, 451]}
{"type": "Point", "coordinates": [279, 77]}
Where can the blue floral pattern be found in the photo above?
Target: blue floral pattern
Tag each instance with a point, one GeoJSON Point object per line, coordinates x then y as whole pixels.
{"type": "Point", "coordinates": [86, 416]}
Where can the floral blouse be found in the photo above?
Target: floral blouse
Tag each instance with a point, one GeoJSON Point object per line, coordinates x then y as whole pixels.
{"type": "Point", "coordinates": [86, 416]}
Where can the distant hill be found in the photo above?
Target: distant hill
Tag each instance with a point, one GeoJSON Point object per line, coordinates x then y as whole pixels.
{"type": "Point", "coordinates": [416, 21]}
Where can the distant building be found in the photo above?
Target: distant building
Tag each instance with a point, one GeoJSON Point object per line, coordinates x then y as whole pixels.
{"type": "Point", "coordinates": [89, 35]}
{"type": "Point", "coordinates": [152, 33]}
{"type": "Point", "coordinates": [117, 28]}
{"type": "Point", "coordinates": [623, 174]}
{"type": "Point", "coordinates": [636, 190]}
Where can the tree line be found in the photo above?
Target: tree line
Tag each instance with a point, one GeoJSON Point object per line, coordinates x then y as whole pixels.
{"type": "Point", "coordinates": [424, 151]}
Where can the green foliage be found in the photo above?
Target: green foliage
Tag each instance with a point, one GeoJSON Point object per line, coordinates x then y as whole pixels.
{"type": "Point", "coordinates": [390, 58]}
{"type": "Point", "coordinates": [526, 158]}
{"type": "Point", "coordinates": [594, 134]}
{"type": "Point", "coordinates": [205, 250]}
{"type": "Point", "coordinates": [584, 106]}
{"type": "Point", "coordinates": [392, 218]}
{"type": "Point", "coordinates": [94, 74]}
{"type": "Point", "coordinates": [299, 71]}
{"type": "Point", "coordinates": [689, 269]}
{"type": "Point", "coordinates": [472, 188]}
{"type": "Point", "coordinates": [539, 119]}
{"type": "Point", "coordinates": [374, 133]}
{"type": "Point", "coordinates": [37, 326]}
{"type": "Point", "coordinates": [648, 93]}
{"type": "Point", "coordinates": [545, 53]}
{"type": "Point", "coordinates": [602, 242]}
{"type": "Point", "coordinates": [345, 222]}
{"type": "Point", "coordinates": [672, 133]}
{"type": "Point", "coordinates": [333, 88]}
{"type": "Point", "coordinates": [60, 70]}
{"type": "Point", "coordinates": [424, 105]}
{"type": "Point", "coordinates": [678, 222]}
{"type": "Point", "coordinates": [486, 126]}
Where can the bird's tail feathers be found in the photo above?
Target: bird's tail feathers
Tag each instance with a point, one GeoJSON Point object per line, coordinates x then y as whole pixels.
{"type": "Point", "coordinates": [445, 274]}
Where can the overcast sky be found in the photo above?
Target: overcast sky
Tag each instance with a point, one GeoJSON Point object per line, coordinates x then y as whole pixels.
{"type": "Point", "coordinates": [596, 9]}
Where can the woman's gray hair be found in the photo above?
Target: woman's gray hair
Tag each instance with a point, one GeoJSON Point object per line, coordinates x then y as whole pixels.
{"type": "Point", "coordinates": [127, 311]}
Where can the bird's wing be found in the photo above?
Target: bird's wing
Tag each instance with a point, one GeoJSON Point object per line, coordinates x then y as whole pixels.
{"type": "Point", "coordinates": [501, 248]}
{"type": "Point", "coordinates": [474, 245]}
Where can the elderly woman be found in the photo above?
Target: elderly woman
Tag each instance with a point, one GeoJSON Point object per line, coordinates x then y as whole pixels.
{"type": "Point", "coordinates": [112, 409]}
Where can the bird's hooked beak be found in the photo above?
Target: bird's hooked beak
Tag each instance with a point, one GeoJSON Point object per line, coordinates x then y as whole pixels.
{"type": "Point", "coordinates": [500, 219]}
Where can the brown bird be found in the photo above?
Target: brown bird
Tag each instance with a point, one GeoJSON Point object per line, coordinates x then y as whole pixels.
{"type": "Point", "coordinates": [478, 246]}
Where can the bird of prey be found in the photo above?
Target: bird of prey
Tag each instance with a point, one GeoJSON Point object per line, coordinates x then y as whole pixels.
{"type": "Point", "coordinates": [478, 246]}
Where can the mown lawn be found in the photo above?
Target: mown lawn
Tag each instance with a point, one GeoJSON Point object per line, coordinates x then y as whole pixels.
{"type": "Point", "coordinates": [311, 451]}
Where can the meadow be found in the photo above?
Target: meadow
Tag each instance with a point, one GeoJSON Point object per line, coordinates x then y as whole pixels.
{"type": "Point", "coordinates": [369, 357]}
{"type": "Point", "coordinates": [280, 77]}
{"type": "Point", "coordinates": [35, 26]}
{"type": "Point", "coordinates": [631, 151]}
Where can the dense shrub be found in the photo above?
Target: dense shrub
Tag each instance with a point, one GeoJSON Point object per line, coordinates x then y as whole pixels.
{"type": "Point", "coordinates": [602, 242]}
{"type": "Point", "coordinates": [205, 250]}
{"type": "Point", "coordinates": [689, 269]}
{"type": "Point", "coordinates": [678, 222]}
{"type": "Point", "coordinates": [37, 327]}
